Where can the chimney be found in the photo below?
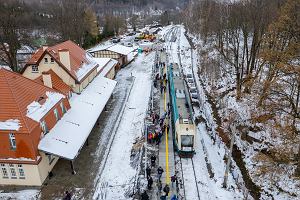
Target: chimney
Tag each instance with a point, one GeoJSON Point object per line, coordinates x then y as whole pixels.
{"type": "Point", "coordinates": [45, 47]}
{"type": "Point", "coordinates": [64, 57]}
{"type": "Point", "coordinates": [47, 79]}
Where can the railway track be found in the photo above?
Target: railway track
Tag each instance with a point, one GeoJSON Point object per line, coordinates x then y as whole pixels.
{"type": "Point", "coordinates": [190, 182]}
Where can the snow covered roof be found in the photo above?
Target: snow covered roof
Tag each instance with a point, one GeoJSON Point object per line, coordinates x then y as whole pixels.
{"type": "Point", "coordinates": [10, 124]}
{"type": "Point", "coordinates": [121, 49]}
{"type": "Point", "coordinates": [68, 136]}
{"type": "Point", "coordinates": [105, 65]}
{"type": "Point", "coordinates": [117, 48]}
{"type": "Point", "coordinates": [86, 67]}
{"type": "Point", "coordinates": [36, 111]}
{"type": "Point", "coordinates": [101, 63]}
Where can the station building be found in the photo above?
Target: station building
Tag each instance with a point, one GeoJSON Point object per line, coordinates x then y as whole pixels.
{"type": "Point", "coordinates": [28, 111]}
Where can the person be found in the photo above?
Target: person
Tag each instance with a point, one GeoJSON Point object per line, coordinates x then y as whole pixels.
{"type": "Point", "coordinates": [173, 180]}
{"type": "Point", "coordinates": [148, 171]}
{"type": "Point", "coordinates": [166, 189]}
{"type": "Point", "coordinates": [161, 88]}
{"type": "Point", "coordinates": [160, 171]}
{"type": "Point", "coordinates": [153, 159]}
{"type": "Point", "coordinates": [68, 196]}
{"type": "Point", "coordinates": [150, 137]}
{"type": "Point", "coordinates": [174, 197]}
{"type": "Point", "coordinates": [150, 182]}
{"type": "Point", "coordinates": [159, 186]}
{"type": "Point", "coordinates": [163, 197]}
{"type": "Point", "coordinates": [145, 196]}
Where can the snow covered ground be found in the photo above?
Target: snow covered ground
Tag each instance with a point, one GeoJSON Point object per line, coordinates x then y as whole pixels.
{"type": "Point", "coordinates": [118, 174]}
{"type": "Point", "coordinates": [20, 195]}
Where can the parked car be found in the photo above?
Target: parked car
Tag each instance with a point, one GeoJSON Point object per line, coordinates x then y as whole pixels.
{"type": "Point", "coordinates": [190, 82]}
{"type": "Point", "coordinates": [128, 44]}
{"type": "Point", "coordinates": [115, 40]}
{"type": "Point", "coordinates": [189, 75]}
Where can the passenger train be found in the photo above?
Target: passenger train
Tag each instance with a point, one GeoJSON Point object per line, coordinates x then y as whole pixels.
{"type": "Point", "coordinates": [184, 129]}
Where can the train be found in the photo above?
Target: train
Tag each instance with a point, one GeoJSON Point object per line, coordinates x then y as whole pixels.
{"type": "Point", "coordinates": [183, 126]}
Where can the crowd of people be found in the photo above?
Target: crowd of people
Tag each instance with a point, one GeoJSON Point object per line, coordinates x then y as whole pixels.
{"type": "Point", "coordinates": [161, 125]}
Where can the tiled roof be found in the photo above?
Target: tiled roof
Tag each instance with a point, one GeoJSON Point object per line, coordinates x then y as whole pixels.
{"type": "Point", "coordinates": [78, 56]}
{"type": "Point", "coordinates": [16, 93]}
{"type": "Point", "coordinates": [57, 83]}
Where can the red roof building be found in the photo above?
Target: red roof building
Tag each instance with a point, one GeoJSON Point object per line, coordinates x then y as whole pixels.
{"type": "Point", "coordinates": [69, 61]}
{"type": "Point", "coordinates": [28, 111]}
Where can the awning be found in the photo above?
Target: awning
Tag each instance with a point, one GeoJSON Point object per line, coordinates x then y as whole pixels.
{"type": "Point", "coordinates": [68, 136]}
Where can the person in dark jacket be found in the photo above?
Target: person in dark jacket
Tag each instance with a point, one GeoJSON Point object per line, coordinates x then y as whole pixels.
{"type": "Point", "coordinates": [166, 189]}
{"type": "Point", "coordinates": [159, 186]}
{"type": "Point", "coordinates": [150, 182]}
{"type": "Point", "coordinates": [160, 171]}
{"type": "Point", "coordinates": [148, 171]}
{"type": "Point", "coordinates": [173, 180]}
{"type": "Point", "coordinates": [145, 196]}
{"type": "Point", "coordinates": [68, 196]}
{"type": "Point", "coordinates": [153, 159]}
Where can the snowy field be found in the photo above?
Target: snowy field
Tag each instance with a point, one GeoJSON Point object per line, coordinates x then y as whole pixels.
{"type": "Point", "coordinates": [118, 175]}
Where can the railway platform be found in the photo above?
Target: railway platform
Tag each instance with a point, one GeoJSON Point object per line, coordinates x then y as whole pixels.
{"type": "Point", "coordinates": [166, 151]}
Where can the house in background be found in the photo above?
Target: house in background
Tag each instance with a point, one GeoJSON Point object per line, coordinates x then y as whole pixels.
{"type": "Point", "coordinates": [23, 55]}
{"type": "Point", "coordinates": [116, 51]}
{"type": "Point", "coordinates": [69, 61]}
{"type": "Point", "coordinates": [28, 111]}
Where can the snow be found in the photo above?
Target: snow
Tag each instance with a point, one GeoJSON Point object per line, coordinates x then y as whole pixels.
{"type": "Point", "coordinates": [108, 67]}
{"type": "Point", "coordinates": [131, 56]}
{"type": "Point", "coordinates": [36, 111]}
{"type": "Point", "coordinates": [118, 173]}
{"type": "Point", "coordinates": [5, 67]}
{"type": "Point", "coordinates": [86, 67]}
{"type": "Point", "coordinates": [120, 49]}
{"type": "Point", "coordinates": [23, 194]}
{"type": "Point", "coordinates": [102, 62]}
{"type": "Point", "coordinates": [117, 48]}
{"type": "Point", "coordinates": [70, 133]}
{"type": "Point", "coordinates": [10, 124]}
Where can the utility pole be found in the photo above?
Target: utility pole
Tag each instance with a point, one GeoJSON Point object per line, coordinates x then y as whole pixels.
{"type": "Point", "coordinates": [229, 156]}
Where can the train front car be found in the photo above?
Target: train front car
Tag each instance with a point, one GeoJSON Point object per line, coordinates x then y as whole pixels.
{"type": "Point", "coordinates": [183, 127]}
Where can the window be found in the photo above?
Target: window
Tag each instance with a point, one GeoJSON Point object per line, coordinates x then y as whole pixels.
{"type": "Point", "coordinates": [46, 60]}
{"type": "Point", "coordinates": [34, 69]}
{"type": "Point", "coordinates": [56, 114]}
{"type": "Point", "coordinates": [4, 171]}
{"type": "Point", "coordinates": [44, 127]}
{"type": "Point", "coordinates": [63, 109]}
{"type": "Point", "coordinates": [12, 171]}
{"type": "Point", "coordinates": [51, 60]}
{"type": "Point", "coordinates": [21, 172]}
{"type": "Point", "coordinates": [12, 140]}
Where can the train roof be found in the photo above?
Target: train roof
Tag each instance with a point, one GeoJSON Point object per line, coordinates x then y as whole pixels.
{"type": "Point", "coordinates": [180, 90]}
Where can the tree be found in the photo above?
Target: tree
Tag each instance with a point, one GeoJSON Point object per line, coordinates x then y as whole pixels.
{"type": "Point", "coordinates": [13, 21]}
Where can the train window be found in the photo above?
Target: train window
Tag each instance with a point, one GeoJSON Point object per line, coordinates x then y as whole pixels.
{"type": "Point", "coordinates": [187, 140]}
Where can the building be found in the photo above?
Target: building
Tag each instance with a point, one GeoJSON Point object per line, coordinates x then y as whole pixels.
{"type": "Point", "coordinates": [116, 51]}
{"type": "Point", "coordinates": [69, 61]}
{"type": "Point", "coordinates": [23, 55]}
{"type": "Point", "coordinates": [106, 67]}
{"type": "Point", "coordinates": [28, 111]}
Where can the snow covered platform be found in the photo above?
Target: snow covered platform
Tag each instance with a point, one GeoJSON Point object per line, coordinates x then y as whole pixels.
{"type": "Point", "coordinates": [166, 151]}
{"type": "Point", "coordinates": [70, 133]}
